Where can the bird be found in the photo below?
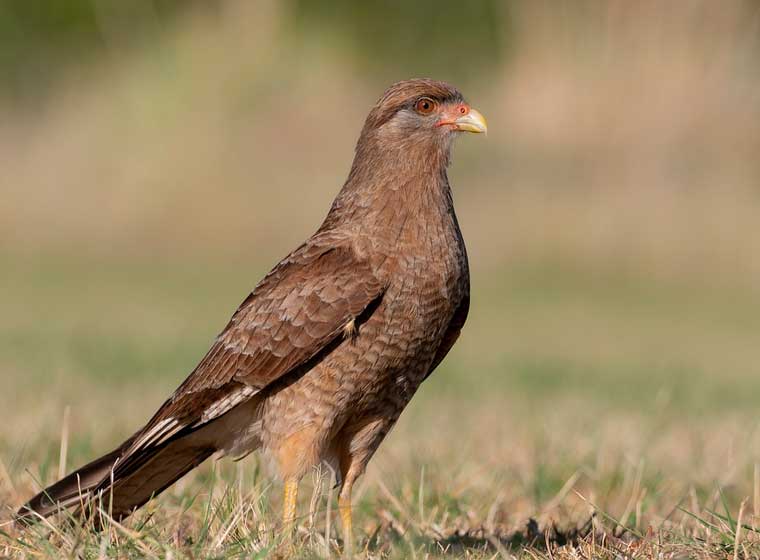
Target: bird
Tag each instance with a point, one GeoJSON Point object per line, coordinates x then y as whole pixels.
{"type": "Point", "coordinates": [318, 362]}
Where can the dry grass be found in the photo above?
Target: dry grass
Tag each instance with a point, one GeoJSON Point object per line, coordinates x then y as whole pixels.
{"type": "Point", "coordinates": [561, 486]}
{"type": "Point", "coordinates": [602, 402]}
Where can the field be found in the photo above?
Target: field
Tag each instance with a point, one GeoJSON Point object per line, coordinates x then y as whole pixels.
{"type": "Point", "coordinates": [590, 403]}
{"type": "Point", "coordinates": [603, 399]}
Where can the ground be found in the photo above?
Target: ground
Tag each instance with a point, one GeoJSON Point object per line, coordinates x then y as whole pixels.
{"type": "Point", "coordinates": [582, 415]}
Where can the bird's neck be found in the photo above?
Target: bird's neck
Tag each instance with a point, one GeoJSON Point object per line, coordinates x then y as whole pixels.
{"type": "Point", "coordinates": [386, 187]}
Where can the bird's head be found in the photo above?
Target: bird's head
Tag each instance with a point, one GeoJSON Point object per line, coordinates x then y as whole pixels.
{"type": "Point", "coordinates": [421, 112]}
{"type": "Point", "coordinates": [404, 147]}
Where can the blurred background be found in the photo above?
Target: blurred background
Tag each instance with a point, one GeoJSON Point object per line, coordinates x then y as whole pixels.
{"type": "Point", "coordinates": [158, 156]}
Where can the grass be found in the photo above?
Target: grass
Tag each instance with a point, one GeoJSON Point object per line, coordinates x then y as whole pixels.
{"type": "Point", "coordinates": [522, 445]}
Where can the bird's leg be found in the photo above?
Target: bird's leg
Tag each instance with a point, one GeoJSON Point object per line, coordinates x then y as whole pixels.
{"type": "Point", "coordinates": [290, 496]}
{"type": "Point", "coordinates": [344, 509]}
{"type": "Point", "coordinates": [357, 447]}
{"type": "Point", "coordinates": [292, 453]}
{"type": "Point", "coordinates": [351, 468]}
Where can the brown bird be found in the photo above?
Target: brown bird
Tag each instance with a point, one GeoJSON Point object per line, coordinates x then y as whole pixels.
{"type": "Point", "coordinates": [318, 362]}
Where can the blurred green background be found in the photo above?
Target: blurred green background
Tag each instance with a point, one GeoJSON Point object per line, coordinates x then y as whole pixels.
{"type": "Point", "coordinates": [157, 157]}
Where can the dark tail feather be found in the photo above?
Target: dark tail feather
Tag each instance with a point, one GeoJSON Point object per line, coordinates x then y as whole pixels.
{"type": "Point", "coordinates": [70, 491]}
{"type": "Point", "coordinates": [151, 474]}
{"type": "Point", "coordinates": [120, 490]}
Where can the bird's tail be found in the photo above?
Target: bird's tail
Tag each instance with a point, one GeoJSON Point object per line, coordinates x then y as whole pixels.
{"type": "Point", "coordinates": [117, 484]}
{"type": "Point", "coordinates": [71, 490]}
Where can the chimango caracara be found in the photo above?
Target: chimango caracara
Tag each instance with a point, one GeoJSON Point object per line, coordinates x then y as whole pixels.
{"type": "Point", "coordinates": [321, 358]}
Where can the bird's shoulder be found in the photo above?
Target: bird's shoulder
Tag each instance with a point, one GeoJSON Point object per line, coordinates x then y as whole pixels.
{"type": "Point", "coordinates": [307, 298]}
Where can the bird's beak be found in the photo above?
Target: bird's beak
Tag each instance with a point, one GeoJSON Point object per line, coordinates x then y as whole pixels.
{"type": "Point", "coordinates": [473, 121]}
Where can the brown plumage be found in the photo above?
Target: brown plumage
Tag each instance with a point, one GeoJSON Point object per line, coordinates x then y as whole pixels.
{"type": "Point", "coordinates": [321, 358]}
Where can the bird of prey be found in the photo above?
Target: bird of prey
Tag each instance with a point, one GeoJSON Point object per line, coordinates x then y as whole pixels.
{"type": "Point", "coordinates": [320, 359]}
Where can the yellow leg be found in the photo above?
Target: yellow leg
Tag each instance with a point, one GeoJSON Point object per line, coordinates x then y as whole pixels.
{"type": "Point", "coordinates": [289, 499]}
{"type": "Point", "coordinates": [344, 508]}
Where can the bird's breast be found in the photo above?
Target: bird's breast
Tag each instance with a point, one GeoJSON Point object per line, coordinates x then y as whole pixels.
{"type": "Point", "coordinates": [427, 278]}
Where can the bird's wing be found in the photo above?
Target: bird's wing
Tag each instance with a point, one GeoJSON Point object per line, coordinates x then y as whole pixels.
{"type": "Point", "coordinates": [452, 333]}
{"type": "Point", "coordinates": [295, 315]}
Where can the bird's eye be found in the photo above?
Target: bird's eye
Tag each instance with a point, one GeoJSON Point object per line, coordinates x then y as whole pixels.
{"type": "Point", "coordinates": [424, 105]}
